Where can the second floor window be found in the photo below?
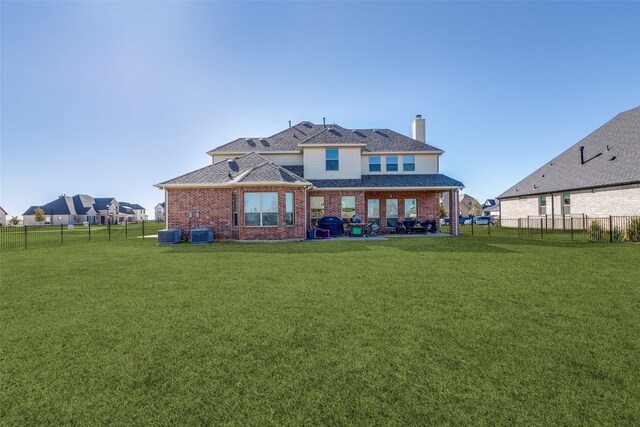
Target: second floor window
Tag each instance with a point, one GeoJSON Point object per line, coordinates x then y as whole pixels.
{"type": "Point", "coordinates": [374, 164]}
{"type": "Point", "coordinates": [408, 163]}
{"type": "Point", "coordinates": [392, 163]}
{"type": "Point", "coordinates": [332, 160]}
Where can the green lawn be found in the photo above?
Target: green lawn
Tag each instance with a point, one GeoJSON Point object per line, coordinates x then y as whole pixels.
{"type": "Point", "coordinates": [410, 331]}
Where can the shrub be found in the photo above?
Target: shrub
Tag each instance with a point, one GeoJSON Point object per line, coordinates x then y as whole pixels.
{"type": "Point", "coordinates": [595, 232]}
{"type": "Point", "coordinates": [633, 230]}
{"type": "Point", "coordinates": [618, 234]}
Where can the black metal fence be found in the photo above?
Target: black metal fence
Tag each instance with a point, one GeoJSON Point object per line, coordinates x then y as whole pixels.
{"type": "Point", "coordinates": [610, 229]}
{"type": "Point", "coordinates": [34, 236]}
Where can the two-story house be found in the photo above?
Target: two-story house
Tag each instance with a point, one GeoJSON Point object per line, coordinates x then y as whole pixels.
{"type": "Point", "coordinates": [274, 188]}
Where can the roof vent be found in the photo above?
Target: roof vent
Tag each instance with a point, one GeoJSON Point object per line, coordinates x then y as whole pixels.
{"type": "Point", "coordinates": [613, 158]}
{"type": "Point", "coordinates": [249, 139]}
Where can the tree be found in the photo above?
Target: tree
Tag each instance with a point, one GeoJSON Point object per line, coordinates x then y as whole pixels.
{"type": "Point", "coordinates": [39, 215]}
{"type": "Point", "coordinates": [14, 220]}
{"type": "Point", "coordinates": [442, 212]}
{"type": "Point", "coordinates": [476, 209]}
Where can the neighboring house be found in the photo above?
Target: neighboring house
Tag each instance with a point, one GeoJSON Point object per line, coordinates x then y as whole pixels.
{"type": "Point", "coordinates": [82, 208]}
{"type": "Point", "coordinates": [132, 212]}
{"type": "Point", "coordinates": [159, 212]}
{"type": "Point", "coordinates": [598, 176]}
{"type": "Point", "coordinates": [274, 188]}
{"type": "Point", "coordinates": [3, 217]}
{"type": "Point", "coordinates": [491, 207]}
{"type": "Point", "coordinates": [466, 204]}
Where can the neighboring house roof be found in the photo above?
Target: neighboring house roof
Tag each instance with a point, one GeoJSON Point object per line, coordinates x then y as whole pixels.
{"type": "Point", "coordinates": [306, 133]}
{"type": "Point", "coordinates": [489, 202]}
{"type": "Point", "coordinates": [102, 203]}
{"type": "Point", "coordinates": [390, 181]}
{"type": "Point", "coordinates": [246, 169]}
{"type": "Point", "coordinates": [61, 206]}
{"type": "Point", "coordinates": [134, 206]}
{"type": "Point", "coordinates": [491, 208]}
{"type": "Point", "coordinates": [3, 211]}
{"type": "Point", "coordinates": [611, 154]}
{"type": "Point", "coordinates": [82, 203]}
{"type": "Point", "coordinates": [160, 205]}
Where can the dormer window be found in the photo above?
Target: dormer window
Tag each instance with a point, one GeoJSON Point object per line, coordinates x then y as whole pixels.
{"type": "Point", "coordinates": [392, 163]}
{"type": "Point", "coordinates": [332, 161]}
{"type": "Point", "coordinates": [374, 164]}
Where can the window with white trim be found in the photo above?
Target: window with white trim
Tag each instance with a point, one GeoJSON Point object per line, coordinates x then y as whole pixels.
{"type": "Point", "coordinates": [260, 209]}
{"type": "Point", "coordinates": [317, 207]}
{"type": "Point", "coordinates": [392, 212]}
{"type": "Point", "coordinates": [542, 204]}
{"type": "Point", "coordinates": [332, 161]}
{"type": "Point", "coordinates": [288, 210]}
{"type": "Point", "coordinates": [373, 211]}
{"type": "Point", "coordinates": [408, 163]}
{"type": "Point", "coordinates": [375, 164]}
{"type": "Point", "coordinates": [566, 203]}
{"type": "Point", "coordinates": [392, 163]}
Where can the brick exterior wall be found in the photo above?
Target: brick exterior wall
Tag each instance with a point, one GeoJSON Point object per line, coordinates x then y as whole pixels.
{"type": "Point", "coordinates": [215, 208]}
{"type": "Point", "coordinates": [428, 203]}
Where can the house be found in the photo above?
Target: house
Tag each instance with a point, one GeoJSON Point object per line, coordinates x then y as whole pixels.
{"type": "Point", "coordinates": [467, 205]}
{"type": "Point", "coordinates": [491, 207]}
{"type": "Point", "coordinates": [598, 176]}
{"type": "Point", "coordinates": [3, 217]}
{"type": "Point", "coordinates": [159, 212]}
{"type": "Point", "coordinates": [131, 212]}
{"type": "Point", "coordinates": [274, 188]}
{"type": "Point", "coordinates": [83, 208]}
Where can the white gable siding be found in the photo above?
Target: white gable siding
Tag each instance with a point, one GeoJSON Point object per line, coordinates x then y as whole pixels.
{"type": "Point", "coordinates": [425, 164]}
{"type": "Point", "coordinates": [350, 163]}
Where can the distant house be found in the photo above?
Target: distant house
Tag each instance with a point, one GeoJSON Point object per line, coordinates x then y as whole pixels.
{"type": "Point", "coordinates": [491, 207]}
{"type": "Point", "coordinates": [466, 204]}
{"type": "Point", "coordinates": [83, 208]}
{"type": "Point", "coordinates": [3, 217]}
{"type": "Point", "coordinates": [160, 212]}
{"type": "Point", "coordinates": [598, 176]}
{"type": "Point", "coordinates": [132, 212]}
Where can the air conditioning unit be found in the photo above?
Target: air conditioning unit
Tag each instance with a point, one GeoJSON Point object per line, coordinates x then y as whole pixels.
{"type": "Point", "coordinates": [201, 235]}
{"type": "Point", "coordinates": [169, 236]}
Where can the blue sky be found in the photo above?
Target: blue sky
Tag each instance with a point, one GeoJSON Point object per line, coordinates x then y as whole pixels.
{"type": "Point", "coordinates": [108, 98]}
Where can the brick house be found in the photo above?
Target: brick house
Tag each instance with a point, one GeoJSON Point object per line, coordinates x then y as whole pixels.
{"type": "Point", "coordinates": [596, 177]}
{"type": "Point", "coordinates": [274, 188]}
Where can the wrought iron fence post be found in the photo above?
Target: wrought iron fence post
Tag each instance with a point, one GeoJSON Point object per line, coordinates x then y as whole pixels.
{"type": "Point", "coordinates": [472, 226]}
{"type": "Point", "coordinates": [109, 229]}
{"type": "Point", "coordinates": [541, 230]}
{"type": "Point", "coordinates": [89, 231]}
{"type": "Point", "coordinates": [25, 236]}
{"type": "Point", "coordinates": [571, 220]}
{"type": "Point", "coordinates": [143, 229]}
{"type": "Point", "coordinates": [126, 229]}
{"type": "Point", "coordinates": [61, 235]}
{"type": "Point", "coordinates": [519, 225]}
{"type": "Point", "coordinates": [489, 226]}
{"type": "Point", "coordinates": [610, 229]}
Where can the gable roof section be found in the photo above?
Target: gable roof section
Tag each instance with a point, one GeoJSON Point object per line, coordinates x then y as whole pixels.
{"type": "Point", "coordinates": [307, 133]}
{"type": "Point", "coordinates": [61, 206]}
{"type": "Point", "coordinates": [612, 157]}
{"type": "Point", "coordinates": [250, 168]}
{"type": "Point", "coordinates": [82, 203]}
{"type": "Point", "coordinates": [3, 211]}
{"type": "Point", "coordinates": [133, 206]}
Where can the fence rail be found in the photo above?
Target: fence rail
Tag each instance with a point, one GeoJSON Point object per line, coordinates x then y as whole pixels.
{"type": "Point", "coordinates": [610, 229]}
{"type": "Point", "coordinates": [34, 236]}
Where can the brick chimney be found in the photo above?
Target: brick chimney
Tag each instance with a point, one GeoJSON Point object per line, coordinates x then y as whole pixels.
{"type": "Point", "coordinates": [419, 129]}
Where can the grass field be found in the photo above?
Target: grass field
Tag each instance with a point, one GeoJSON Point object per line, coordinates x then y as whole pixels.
{"type": "Point", "coordinates": [410, 331]}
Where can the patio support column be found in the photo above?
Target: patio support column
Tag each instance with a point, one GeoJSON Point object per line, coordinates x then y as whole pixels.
{"type": "Point", "coordinates": [453, 212]}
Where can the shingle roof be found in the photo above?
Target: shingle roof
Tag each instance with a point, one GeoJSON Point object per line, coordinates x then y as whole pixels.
{"type": "Point", "coordinates": [131, 205]}
{"type": "Point", "coordinates": [82, 203]}
{"type": "Point", "coordinates": [612, 157]}
{"type": "Point", "coordinates": [102, 203]}
{"type": "Point", "coordinates": [246, 169]}
{"type": "Point", "coordinates": [390, 181]}
{"type": "Point", "coordinates": [375, 140]}
{"type": "Point", "coordinates": [61, 206]}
